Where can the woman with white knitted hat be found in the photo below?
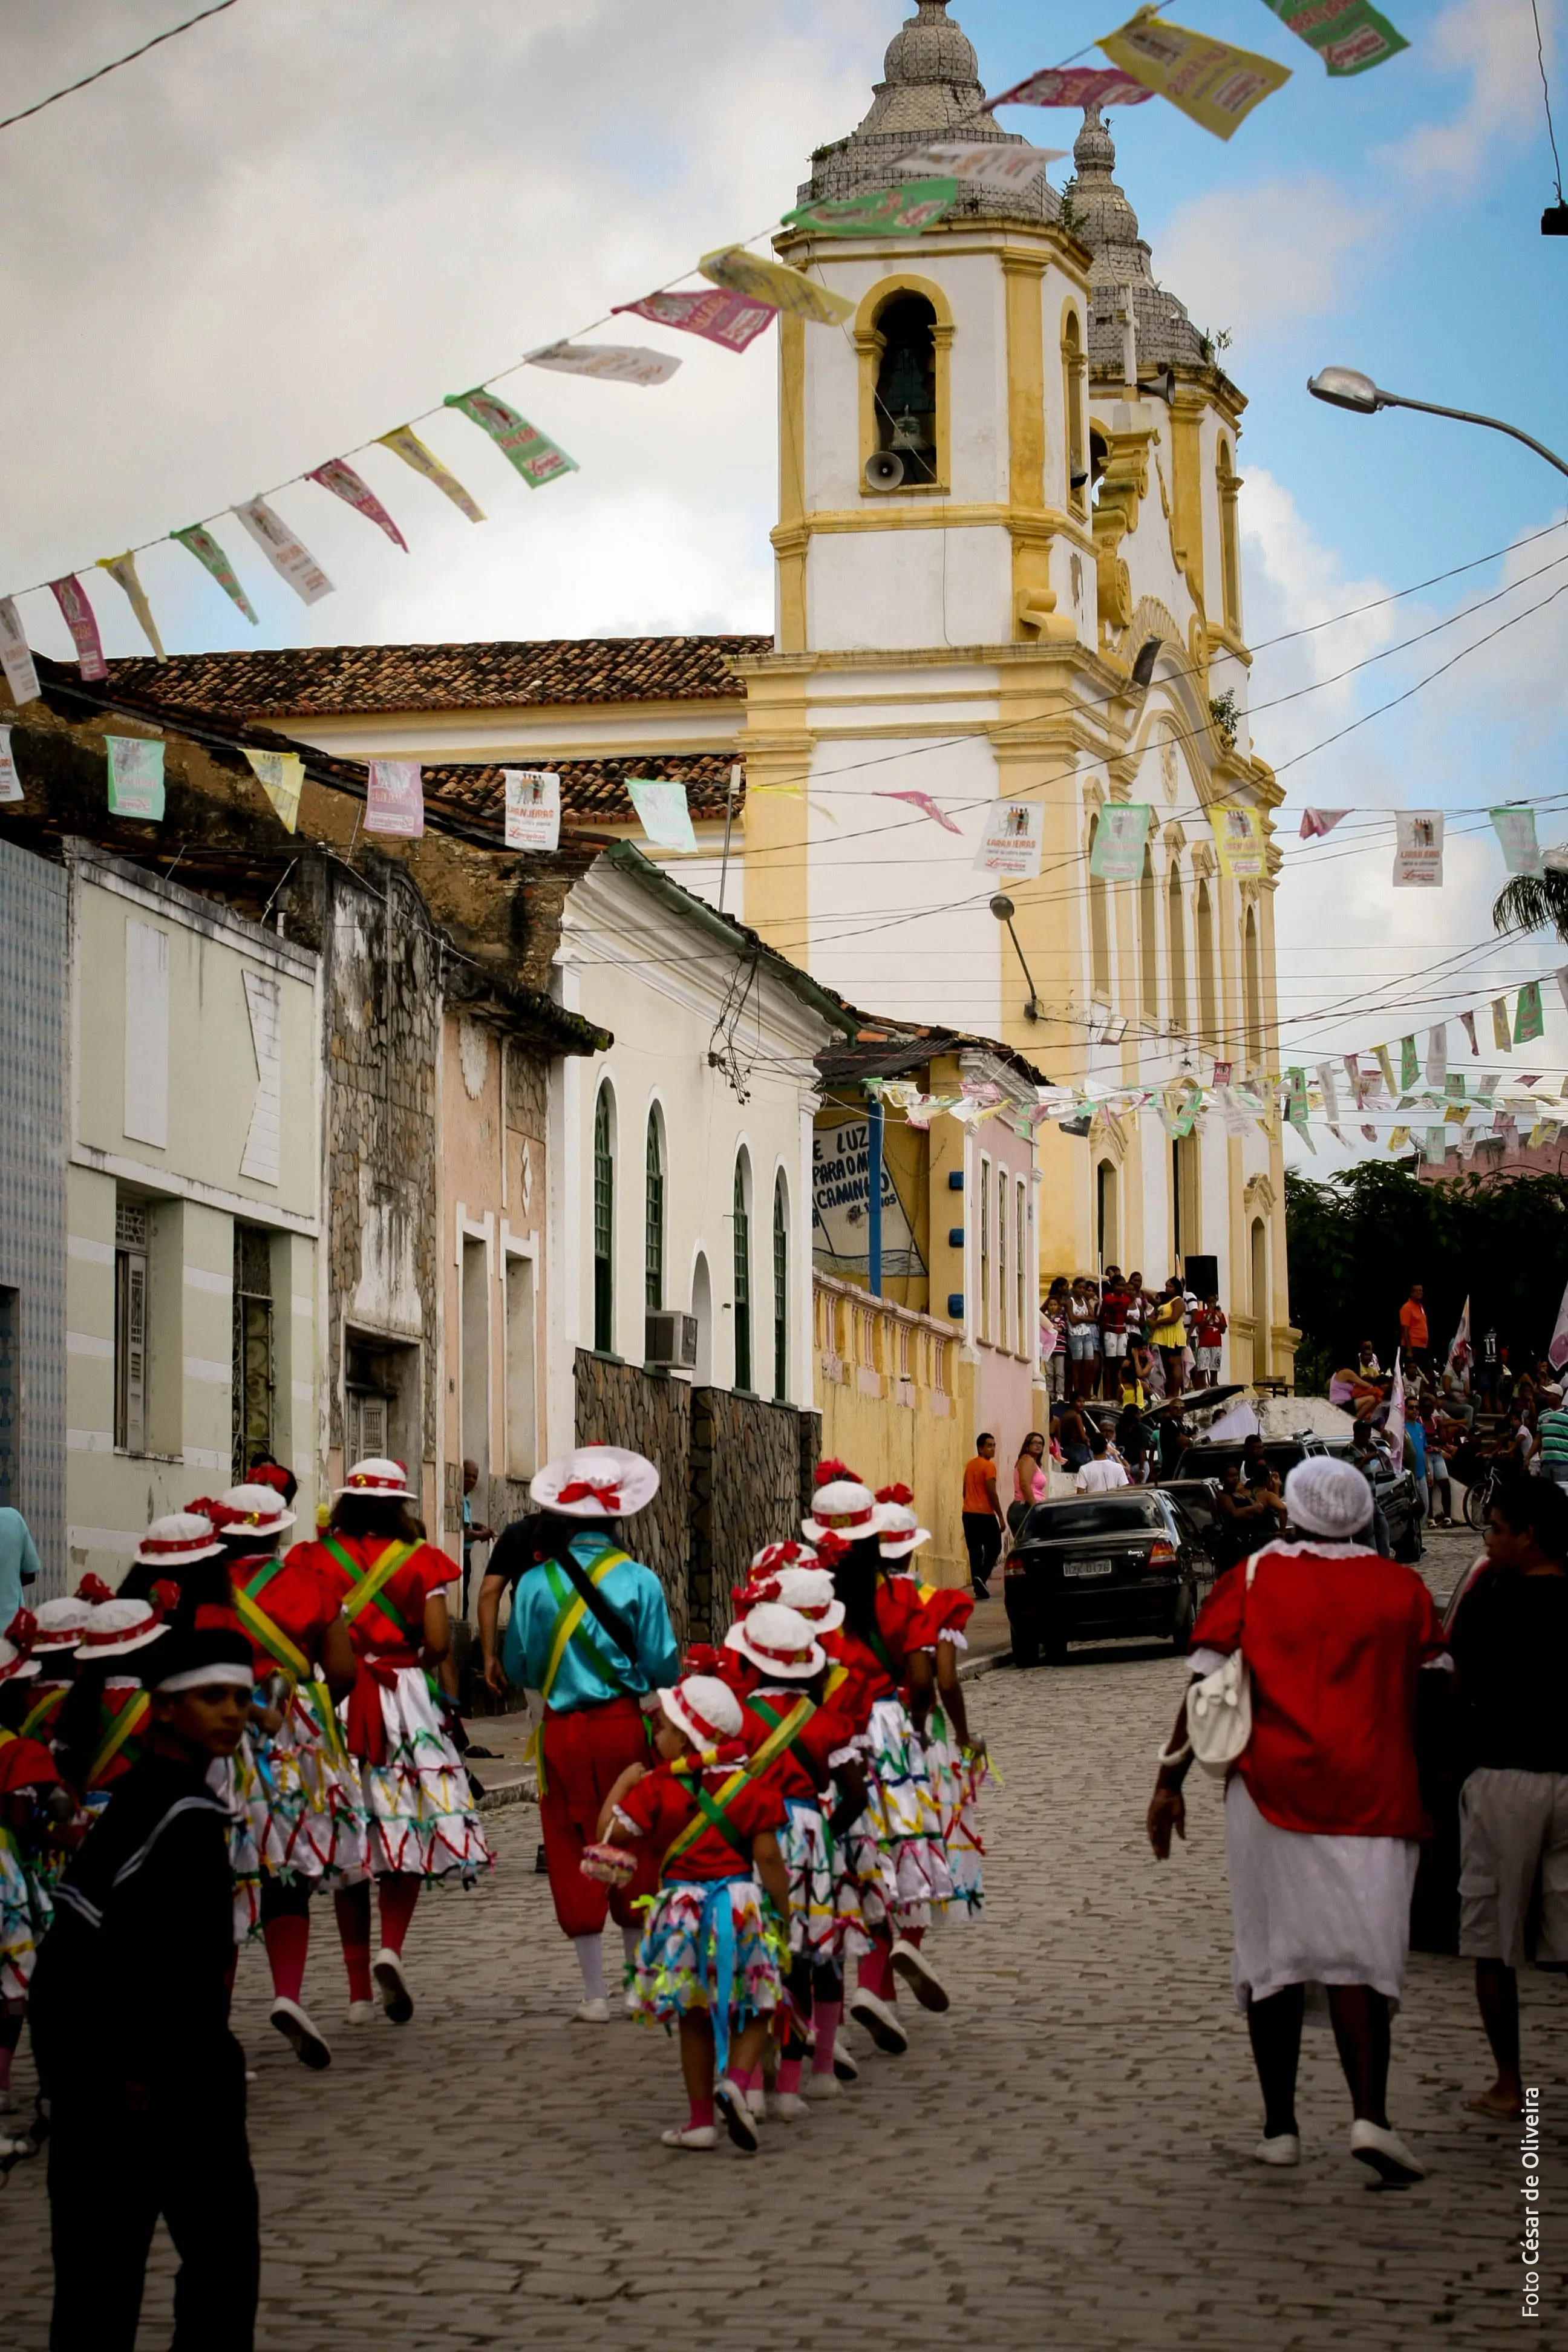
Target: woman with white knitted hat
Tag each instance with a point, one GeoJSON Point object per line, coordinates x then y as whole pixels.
{"type": "Point", "coordinates": [1323, 1807]}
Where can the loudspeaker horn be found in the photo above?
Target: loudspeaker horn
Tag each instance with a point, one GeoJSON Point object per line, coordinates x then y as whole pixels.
{"type": "Point", "coordinates": [884, 470]}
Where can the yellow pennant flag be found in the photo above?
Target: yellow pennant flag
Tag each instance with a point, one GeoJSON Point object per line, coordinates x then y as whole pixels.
{"type": "Point", "coordinates": [1216, 83]}
{"type": "Point", "coordinates": [122, 570]}
{"type": "Point", "coordinates": [405, 443]}
{"type": "Point", "coordinates": [772, 282]}
{"type": "Point", "coordinates": [1385, 1064]}
{"type": "Point", "coordinates": [1398, 1137]}
{"type": "Point", "coordinates": [281, 775]}
{"type": "Point", "coordinates": [1239, 844]}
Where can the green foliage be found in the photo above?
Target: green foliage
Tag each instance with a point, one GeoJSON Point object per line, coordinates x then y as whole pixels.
{"type": "Point", "coordinates": [1533, 902]}
{"type": "Point", "coordinates": [1224, 712]}
{"type": "Point", "coordinates": [1359, 1240]}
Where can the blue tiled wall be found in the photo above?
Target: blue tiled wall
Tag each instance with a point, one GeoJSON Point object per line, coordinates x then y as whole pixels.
{"type": "Point", "coordinates": [33, 1068]}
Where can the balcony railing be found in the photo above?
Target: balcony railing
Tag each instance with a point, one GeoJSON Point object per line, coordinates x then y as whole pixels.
{"type": "Point", "coordinates": [881, 1348]}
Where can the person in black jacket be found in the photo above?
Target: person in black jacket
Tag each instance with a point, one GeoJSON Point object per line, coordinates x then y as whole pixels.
{"type": "Point", "coordinates": [129, 2013]}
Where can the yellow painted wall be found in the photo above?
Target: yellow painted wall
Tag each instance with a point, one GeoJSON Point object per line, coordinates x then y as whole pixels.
{"type": "Point", "coordinates": [887, 1443]}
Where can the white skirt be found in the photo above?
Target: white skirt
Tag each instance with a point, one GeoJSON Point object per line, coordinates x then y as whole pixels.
{"type": "Point", "coordinates": [1314, 1910]}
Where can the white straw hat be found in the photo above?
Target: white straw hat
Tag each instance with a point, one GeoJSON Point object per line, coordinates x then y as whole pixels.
{"type": "Point", "coordinates": [380, 1480]}
{"type": "Point", "coordinates": [779, 1641]}
{"type": "Point", "coordinates": [15, 1665]}
{"type": "Point", "coordinates": [901, 1531]}
{"type": "Point", "coordinates": [841, 1504]}
{"type": "Point", "coordinates": [810, 1593]}
{"type": "Point", "coordinates": [116, 1627]}
{"type": "Point", "coordinates": [702, 1707]}
{"type": "Point", "coordinates": [259, 1510]}
{"type": "Point", "coordinates": [176, 1540]}
{"type": "Point", "coordinates": [596, 1482]}
{"type": "Point", "coordinates": [59, 1624]}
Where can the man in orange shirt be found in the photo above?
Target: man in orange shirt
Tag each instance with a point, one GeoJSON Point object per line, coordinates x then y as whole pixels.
{"type": "Point", "coordinates": [1412, 1329]}
{"type": "Point", "coordinates": [982, 1520]}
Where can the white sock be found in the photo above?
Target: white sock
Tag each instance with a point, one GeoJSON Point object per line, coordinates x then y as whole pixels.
{"type": "Point", "coordinates": [630, 1939]}
{"type": "Point", "coordinates": [590, 1960]}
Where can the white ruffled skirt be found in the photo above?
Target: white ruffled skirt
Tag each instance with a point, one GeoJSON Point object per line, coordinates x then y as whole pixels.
{"type": "Point", "coordinates": [419, 1817]}
{"type": "Point", "coordinates": [1314, 1910]}
{"type": "Point", "coordinates": [897, 1846]}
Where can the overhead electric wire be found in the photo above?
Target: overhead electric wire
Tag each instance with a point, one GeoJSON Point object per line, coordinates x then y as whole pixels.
{"type": "Point", "coordinates": [26, 113]}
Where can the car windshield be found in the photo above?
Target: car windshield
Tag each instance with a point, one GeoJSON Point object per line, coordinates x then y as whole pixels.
{"type": "Point", "coordinates": [1096, 1515]}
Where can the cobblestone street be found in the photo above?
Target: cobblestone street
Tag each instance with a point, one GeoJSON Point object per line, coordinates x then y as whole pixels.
{"type": "Point", "coordinates": [1063, 2157]}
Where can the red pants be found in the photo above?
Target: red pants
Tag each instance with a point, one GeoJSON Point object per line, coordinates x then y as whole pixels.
{"type": "Point", "coordinates": [585, 1754]}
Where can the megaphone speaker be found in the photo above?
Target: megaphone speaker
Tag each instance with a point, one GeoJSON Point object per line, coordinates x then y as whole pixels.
{"type": "Point", "coordinates": [884, 470]}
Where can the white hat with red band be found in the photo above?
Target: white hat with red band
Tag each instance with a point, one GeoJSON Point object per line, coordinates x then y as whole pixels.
{"type": "Point", "coordinates": [775, 1557]}
{"type": "Point", "coordinates": [15, 1665]}
{"type": "Point", "coordinates": [841, 1504]}
{"type": "Point", "coordinates": [702, 1707]}
{"type": "Point", "coordinates": [379, 1480]}
{"type": "Point", "coordinates": [810, 1593]}
{"type": "Point", "coordinates": [257, 1511]}
{"type": "Point", "coordinates": [175, 1541]}
{"type": "Point", "coordinates": [59, 1624]}
{"type": "Point", "coordinates": [901, 1531]}
{"type": "Point", "coordinates": [597, 1482]}
{"type": "Point", "coordinates": [116, 1627]}
{"type": "Point", "coordinates": [779, 1641]}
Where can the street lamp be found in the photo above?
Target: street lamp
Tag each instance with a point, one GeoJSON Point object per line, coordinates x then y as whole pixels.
{"type": "Point", "coordinates": [1344, 387]}
{"type": "Point", "coordinates": [1003, 910]}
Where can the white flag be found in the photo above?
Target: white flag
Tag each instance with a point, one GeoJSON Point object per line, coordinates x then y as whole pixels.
{"type": "Point", "coordinates": [1012, 842]}
{"type": "Point", "coordinates": [611, 362]}
{"type": "Point", "coordinates": [1394, 1427]}
{"type": "Point", "coordinates": [15, 659]}
{"type": "Point", "coordinates": [10, 782]}
{"type": "Point", "coordinates": [288, 556]}
{"type": "Point", "coordinates": [662, 813]}
{"type": "Point", "coordinates": [1557, 1353]}
{"type": "Point", "coordinates": [1460, 1345]}
{"type": "Point", "coordinates": [1418, 851]}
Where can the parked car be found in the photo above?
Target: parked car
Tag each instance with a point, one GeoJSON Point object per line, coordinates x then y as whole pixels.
{"type": "Point", "coordinates": [1093, 1567]}
{"type": "Point", "coordinates": [1394, 1491]}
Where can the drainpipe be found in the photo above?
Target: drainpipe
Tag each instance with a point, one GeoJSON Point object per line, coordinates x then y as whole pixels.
{"type": "Point", "coordinates": [874, 1193]}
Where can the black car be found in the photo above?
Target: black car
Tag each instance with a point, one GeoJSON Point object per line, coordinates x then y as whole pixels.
{"type": "Point", "coordinates": [1395, 1491]}
{"type": "Point", "coordinates": [1092, 1567]}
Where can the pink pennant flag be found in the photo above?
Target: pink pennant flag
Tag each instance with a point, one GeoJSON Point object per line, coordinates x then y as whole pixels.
{"type": "Point", "coordinates": [730, 320]}
{"type": "Point", "coordinates": [926, 805]}
{"type": "Point", "coordinates": [339, 477]}
{"type": "Point", "coordinates": [1073, 86]}
{"type": "Point", "coordinates": [1467, 1024]}
{"type": "Point", "coordinates": [394, 799]}
{"type": "Point", "coordinates": [1369, 1133]}
{"type": "Point", "coordinates": [71, 597]}
{"type": "Point", "coordinates": [1316, 821]}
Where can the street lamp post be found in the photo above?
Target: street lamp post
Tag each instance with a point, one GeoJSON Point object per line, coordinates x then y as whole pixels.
{"type": "Point", "coordinates": [1348, 388]}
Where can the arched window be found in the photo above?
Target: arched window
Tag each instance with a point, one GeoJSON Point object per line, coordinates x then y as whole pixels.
{"type": "Point", "coordinates": [1105, 1214]}
{"type": "Point", "coordinates": [1149, 940]}
{"type": "Point", "coordinates": [1186, 1198]}
{"type": "Point", "coordinates": [603, 1224]}
{"type": "Point", "coordinates": [1002, 1291]}
{"type": "Point", "coordinates": [1252, 983]}
{"type": "Point", "coordinates": [780, 1288]}
{"type": "Point", "coordinates": [1229, 556]}
{"type": "Point", "coordinates": [1208, 1007]}
{"type": "Point", "coordinates": [1072, 397]}
{"type": "Point", "coordinates": [653, 1214]}
{"type": "Point", "coordinates": [1262, 1349]}
{"type": "Point", "coordinates": [1176, 949]}
{"type": "Point", "coordinates": [1098, 930]}
{"type": "Point", "coordinates": [742, 1228]}
{"type": "Point", "coordinates": [906, 385]}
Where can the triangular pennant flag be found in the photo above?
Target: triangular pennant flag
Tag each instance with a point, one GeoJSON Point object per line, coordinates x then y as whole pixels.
{"type": "Point", "coordinates": [122, 570]}
{"type": "Point", "coordinates": [536, 455]}
{"type": "Point", "coordinates": [199, 540]}
{"type": "Point", "coordinates": [1503, 1037]}
{"type": "Point", "coordinates": [1316, 821]}
{"type": "Point", "coordinates": [1468, 1022]}
{"type": "Point", "coordinates": [281, 775]}
{"type": "Point", "coordinates": [926, 805]}
{"type": "Point", "coordinates": [71, 597]}
{"type": "Point", "coordinates": [1409, 1064]}
{"type": "Point", "coordinates": [1527, 1022]}
{"type": "Point", "coordinates": [1436, 1054]}
{"type": "Point", "coordinates": [288, 556]}
{"type": "Point", "coordinates": [394, 799]}
{"type": "Point", "coordinates": [136, 776]}
{"type": "Point", "coordinates": [405, 443]}
{"type": "Point", "coordinates": [339, 477]}
{"type": "Point", "coordinates": [15, 657]}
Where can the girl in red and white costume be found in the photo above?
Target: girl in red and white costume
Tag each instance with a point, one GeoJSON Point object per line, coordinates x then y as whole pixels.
{"type": "Point", "coordinates": [956, 1762]}
{"type": "Point", "coordinates": [419, 1819]}
{"type": "Point", "coordinates": [26, 1775]}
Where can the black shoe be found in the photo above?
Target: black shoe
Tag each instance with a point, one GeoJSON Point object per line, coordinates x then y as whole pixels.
{"type": "Point", "coordinates": [476, 1787]}
{"type": "Point", "coordinates": [540, 1867]}
{"type": "Point", "coordinates": [485, 1754]}
{"type": "Point", "coordinates": [981, 1591]}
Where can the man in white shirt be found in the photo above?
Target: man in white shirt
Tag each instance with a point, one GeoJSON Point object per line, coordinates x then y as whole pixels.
{"type": "Point", "coordinates": [1101, 1473]}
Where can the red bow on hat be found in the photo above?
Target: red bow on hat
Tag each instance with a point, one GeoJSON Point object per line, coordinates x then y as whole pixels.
{"type": "Point", "coordinates": [762, 1587]}
{"type": "Point", "coordinates": [164, 1597]}
{"type": "Point", "coordinates": [19, 1633]}
{"type": "Point", "coordinates": [827, 1471]}
{"type": "Point", "coordinates": [222, 1515]}
{"type": "Point", "coordinates": [830, 1549]}
{"type": "Point", "coordinates": [93, 1588]}
{"type": "Point", "coordinates": [267, 1474]}
{"type": "Point", "coordinates": [702, 1658]}
{"type": "Point", "coordinates": [579, 1489]}
{"type": "Point", "coordinates": [903, 1495]}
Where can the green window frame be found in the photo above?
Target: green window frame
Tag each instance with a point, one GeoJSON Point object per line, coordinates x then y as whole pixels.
{"type": "Point", "coordinates": [743, 1271]}
{"type": "Point", "coordinates": [603, 1226]}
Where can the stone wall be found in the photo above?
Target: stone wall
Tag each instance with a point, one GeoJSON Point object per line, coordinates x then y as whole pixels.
{"type": "Point", "coordinates": [34, 962]}
{"type": "Point", "coordinates": [745, 1492]}
{"type": "Point", "coordinates": [649, 1413]}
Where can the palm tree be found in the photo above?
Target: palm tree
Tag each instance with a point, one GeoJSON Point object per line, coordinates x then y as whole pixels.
{"type": "Point", "coordinates": [1533, 902]}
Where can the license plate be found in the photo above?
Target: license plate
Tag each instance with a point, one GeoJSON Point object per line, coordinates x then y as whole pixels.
{"type": "Point", "coordinates": [1087, 1567]}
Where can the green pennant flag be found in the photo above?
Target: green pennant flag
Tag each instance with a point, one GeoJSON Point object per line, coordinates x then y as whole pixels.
{"type": "Point", "coordinates": [210, 555]}
{"type": "Point", "coordinates": [1296, 1101]}
{"type": "Point", "coordinates": [876, 212]}
{"type": "Point", "coordinates": [1409, 1064]}
{"type": "Point", "coordinates": [1349, 36]}
{"type": "Point", "coordinates": [536, 455]}
{"type": "Point", "coordinates": [1527, 1022]}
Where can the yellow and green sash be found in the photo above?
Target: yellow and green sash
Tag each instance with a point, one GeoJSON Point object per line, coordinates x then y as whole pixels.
{"type": "Point", "coordinates": [571, 1609]}
{"type": "Point", "coordinates": [127, 1723]}
{"type": "Point", "coordinates": [271, 1637]}
{"type": "Point", "coordinates": [369, 1584]}
{"type": "Point", "coordinates": [44, 1713]}
{"type": "Point", "coordinates": [711, 1808]}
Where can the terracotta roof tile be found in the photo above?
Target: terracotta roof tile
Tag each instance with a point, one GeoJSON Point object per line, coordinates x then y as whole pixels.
{"type": "Point", "coordinates": [321, 679]}
{"type": "Point", "coordinates": [592, 791]}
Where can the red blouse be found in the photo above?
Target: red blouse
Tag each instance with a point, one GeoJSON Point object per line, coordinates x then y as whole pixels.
{"type": "Point", "coordinates": [394, 1620]}
{"type": "Point", "coordinates": [802, 1770]}
{"type": "Point", "coordinates": [662, 1805]}
{"type": "Point", "coordinates": [1333, 1642]}
{"type": "Point", "coordinates": [299, 1600]}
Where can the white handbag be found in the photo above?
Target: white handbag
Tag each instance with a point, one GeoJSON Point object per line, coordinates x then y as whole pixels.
{"type": "Point", "coordinates": [1219, 1706]}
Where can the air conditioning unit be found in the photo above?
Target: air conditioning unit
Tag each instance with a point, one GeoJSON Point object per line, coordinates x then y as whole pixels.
{"type": "Point", "coordinates": [670, 1340]}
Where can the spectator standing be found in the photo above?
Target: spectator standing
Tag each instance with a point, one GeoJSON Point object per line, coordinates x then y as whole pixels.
{"type": "Point", "coordinates": [1054, 1336]}
{"type": "Point", "coordinates": [1413, 1330]}
{"type": "Point", "coordinates": [1138, 1306]}
{"type": "Point", "coordinates": [1552, 1432]}
{"type": "Point", "coordinates": [1072, 1436]}
{"type": "Point", "coordinates": [18, 1563]}
{"type": "Point", "coordinates": [1083, 1337]}
{"type": "Point", "coordinates": [1247, 1514]}
{"type": "Point", "coordinates": [983, 1519]}
{"type": "Point", "coordinates": [1488, 1368]}
{"type": "Point", "coordinates": [1510, 1641]}
{"type": "Point", "coordinates": [1209, 1327]}
{"type": "Point", "coordinates": [1113, 1305]}
{"type": "Point", "coordinates": [1438, 1449]}
{"type": "Point", "coordinates": [1031, 1480]}
{"type": "Point", "coordinates": [1132, 1444]}
{"type": "Point", "coordinates": [1168, 1329]}
{"type": "Point", "coordinates": [1100, 1472]}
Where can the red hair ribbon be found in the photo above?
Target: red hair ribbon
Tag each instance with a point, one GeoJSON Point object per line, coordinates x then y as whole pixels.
{"type": "Point", "coordinates": [164, 1597]}
{"type": "Point", "coordinates": [19, 1633]}
{"type": "Point", "coordinates": [748, 1596]}
{"type": "Point", "coordinates": [830, 1549]}
{"type": "Point", "coordinates": [702, 1658]}
{"type": "Point", "coordinates": [267, 1474]}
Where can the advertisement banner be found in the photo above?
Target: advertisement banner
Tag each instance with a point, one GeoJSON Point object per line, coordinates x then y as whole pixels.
{"type": "Point", "coordinates": [534, 454]}
{"type": "Point", "coordinates": [405, 443]}
{"type": "Point", "coordinates": [770, 281]}
{"type": "Point", "coordinates": [730, 320]}
{"type": "Point", "coordinates": [876, 212]}
{"type": "Point", "coordinates": [1215, 83]}
{"type": "Point", "coordinates": [339, 477]}
{"type": "Point", "coordinates": [1011, 844]}
{"type": "Point", "coordinates": [1418, 851]}
{"type": "Point", "coordinates": [394, 799]}
{"type": "Point", "coordinates": [15, 657]}
{"type": "Point", "coordinates": [1120, 834]}
{"type": "Point", "coordinates": [1239, 844]}
{"type": "Point", "coordinates": [122, 570]}
{"type": "Point", "coordinates": [290, 557]}
{"type": "Point", "coordinates": [610, 362]}
{"type": "Point", "coordinates": [71, 597]}
{"type": "Point", "coordinates": [1349, 36]}
{"type": "Point", "coordinates": [1527, 1022]}
{"type": "Point", "coordinates": [281, 775]}
{"type": "Point", "coordinates": [135, 776]}
{"type": "Point", "coordinates": [1515, 829]}
{"type": "Point", "coordinates": [10, 781]}
{"type": "Point", "coordinates": [201, 543]}
{"type": "Point", "coordinates": [980, 163]}
{"type": "Point", "coordinates": [532, 808]}
{"type": "Point", "coordinates": [1073, 86]}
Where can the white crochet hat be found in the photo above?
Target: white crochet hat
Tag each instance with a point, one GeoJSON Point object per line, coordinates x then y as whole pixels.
{"type": "Point", "coordinates": [841, 1504]}
{"type": "Point", "coordinates": [779, 1641]}
{"type": "Point", "coordinates": [1328, 1497]}
{"type": "Point", "coordinates": [258, 1511]}
{"type": "Point", "coordinates": [176, 1540]}
{"type": "Point", "coordinates": [380, 1478]}
{"type": "Point", "coordinates": [15, 1665]}
{"type": "Point", "coordinates": [810, 1592]}
{"type": "Point", "coordinates": [702, 1707]}
{"type": "Point", "coordinates": [116, 1627]}
{"type": "Point", "coordinates": [901, 1531]}
{"type": "Point", "coordinates": [597, 1482]}
{"type": "Point", "coordinates": [59, 1624]}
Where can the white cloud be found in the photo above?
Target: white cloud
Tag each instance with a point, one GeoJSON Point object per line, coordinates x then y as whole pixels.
{"type": "Point", "coordinates": [1496, 47]}
{"type": "Point", "coordinates": [1261, 258]}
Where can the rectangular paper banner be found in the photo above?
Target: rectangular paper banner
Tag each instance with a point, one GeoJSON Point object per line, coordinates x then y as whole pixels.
{"type": "Point", "coordinates": [394, 799]}
{"type": "Point", "coordinates": [534, 453]}
{"type": "Point", "coordinates": [1437, 1055]}
{"type": "Point", "coordinates": [1398, 1137]}
{"type": "Point", "coordinates": [1515, 829]}
{"type": "Point", "coordinates": [405, 443]}
{"type": "Point", "coordinates": [1527, 1022]}
{"type": "Point", "coordinates": [1330, 1093]}
{"type": "Point", "coordinates": [662, 813]}
{"type": "Point", "coordinates": [1356, 1078]}
{"type": "Point", "coordinates": [772, 282]}
{"type": "Point", "coordinates": [981, 163]}
{"type": "Point", "coordinates": [199, 540]}
{"type": "Point", "coordinates": [1239, 844]}
{"type": "Point", "coordinates": [1120, 834]}
{"type": "Point", "coordinates": [71, 597]}
{"type": "Point", "coordinates": [122, 570]}
{"type": "Point", "coordinates": [731, 320]}
{"type": "Point", "coordinates": [15, 659]}
{"type": "Point", "coordinates": [1216, 84]}
{"type": "Point", "coordinates": [1385, 1064]}
{"type": "Point", "coordinates": [1012, 842]}
{"type": "Point", "coordinates": [1436, 1148]}
{"type": "Point", "coordinates": [1502, 1035]}
{"type": "Point", "coordinates": [281, 775]}
{"type": "Point", "coordinates": [290, 557]}
{"type": "Point", "coordinates": [876, 212]}
{"type": "Point", "coordinates": [10, 781]}
{"type": "Point", "coordinates": [1409, 1064]}
{"type": "Point", "coordinates": [1073, 86]}
{"type": "Point", "coordinates": [1348, 35]}
{"type": "Point", "coordinates": [135, 776]}
{"type": "Point", "coordinates": [1467, 1024]}
{"type": "Point", "coordinates": [532, 808]}
{"type": "Point", "coordinates": [1295, 1096]}
{"type": "Point", "coordinates": [339, 477]}
{"type": "Point", "coordinates": [611, 362]}
{"type": "Point", "coordinates": [1418, 851]}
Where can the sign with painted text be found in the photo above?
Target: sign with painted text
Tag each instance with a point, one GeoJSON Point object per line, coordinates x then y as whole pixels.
{"type": "Point", "coordinates": [288, 556]}
{"type": "Point", "coordinates": [840, 1206]}
{"type": "Point", "coordinates": [1073, 86]}
{"type": "Point", "coordinates": [532, 808]}
{"type": "Point", "coordinates": [1418, 849]}
{"type": "Point", "coordinates": [730, 320]}
{"type": "Point", "coordinates": [1349, 36]}
{"type": "Point", "coordinates": [536, 455]}
{"type": "Point", "coordinates": [136, 776]}
{"type": "Point", "coordinates": [1239, 844]}
{"type": "Point", "coordinates": [394, 799]}
{"type": "Point", "coordinates": [1011, 844]}
{"type": "Point", "coordinates": [773, 281]}
{"type": "Point", "coordinates": [876, 212]}
{"type": "Point", "coordinates": [1120, 834]}
{"type": "Point", "coordinates": [1215, 83]}
{"type": "Point", "coordinates": [15, 658]}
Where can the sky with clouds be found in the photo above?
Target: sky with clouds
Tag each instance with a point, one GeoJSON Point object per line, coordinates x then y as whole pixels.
{"type": "Point", "coordinates": [304, 222]}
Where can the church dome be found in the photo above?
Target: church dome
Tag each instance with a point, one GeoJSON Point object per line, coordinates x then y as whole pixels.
{"type": "Point", "coordinates": [931, 47]}
{"type": "Point", "coordinates": [1102, 219]}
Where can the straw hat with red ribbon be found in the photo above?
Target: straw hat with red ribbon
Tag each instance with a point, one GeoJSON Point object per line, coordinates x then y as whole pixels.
{"type": "Point", "coordinates": [116, 1628]}
{"type": "Point", "coordinates": [705, 1710]}
{"type": "Point", "coordinates": [58, 1624]}
{"type": "Point", "coordinates": [809, 1592]}
{"type": "Point", "coordinates": [379, 1480]}
{"type": "Point", "coordinates": [902, 1530]}
{"type": "Point", "coordinates": [841, 1504]}
{"type": "Point", "coordinates": [779, 1641]}
{"type": "Point", "coordinates": [16, 1663]}
{"type": "Point", "coordinates": [597, 1482]}
{"type": "Point", "coordinates": [175, 1540]}
{"type": "Point", "coordinates": [254, 1511]}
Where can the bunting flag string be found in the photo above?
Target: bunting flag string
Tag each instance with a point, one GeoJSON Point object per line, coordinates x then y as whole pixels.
{"type": "Point", "coordinates": [609, 362]}
{"type": "Point", "coordinates": [210, 555]}
{"type": "Point", "coordinates": [281, 775]}
{"type": "Point", "coordinates": [136, 776]}
{"type": "Point", "coordinates": [663, 813]}
{"type": "Point", "coordinates": [1349, 36]}
{"type": "Point", "coordinates": [15, 658]}
{"type": "Point", "coordinates": [730, 320]}
{"type": "Point", "coordinates": [10, 782]}
{"type": "Point", "coordinates": [339, 477]}
{"type": "Point", "coordinates": [394, 799]}
{"type": "Point", "coordinates": [536, 458]}
{"type": "Point", "coordinates": [122, 570]}
{"type": "Point", "coordinates": [290, 557]}
{"type": "Point", "coordinates": [1074, 86]}
{"type": "Point", "coordinates": [926, 805]}
{"type": "Point", "coordinates": [405, 443]}
{"type": "Point", "coordinates": [1214, 82]}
